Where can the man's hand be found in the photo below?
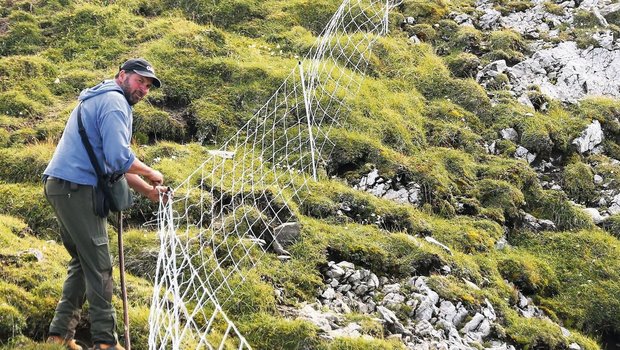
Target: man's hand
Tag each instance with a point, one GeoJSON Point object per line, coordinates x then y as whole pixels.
{"type": "Point", "coordinates": [155, 178]}
{"type": "Point", "coordinates": [154, 193]}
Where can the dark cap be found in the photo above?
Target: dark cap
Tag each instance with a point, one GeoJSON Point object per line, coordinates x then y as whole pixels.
{"type": "Point", "coordinates": [142, 67]}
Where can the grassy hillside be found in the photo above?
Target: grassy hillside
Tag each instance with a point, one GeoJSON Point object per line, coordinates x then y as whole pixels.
{"type": "Point", "coordinates": [419, 117]}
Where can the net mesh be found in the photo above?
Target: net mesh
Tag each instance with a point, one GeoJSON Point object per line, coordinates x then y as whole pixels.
{"type": "Point", "coordinates": [231, 210]}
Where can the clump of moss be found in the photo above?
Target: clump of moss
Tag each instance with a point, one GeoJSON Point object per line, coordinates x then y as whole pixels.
{"type": "Point", "coordinates": [467, 39]}
{"type": "Point", "coordinates": [530, 274]}
{"type": "Point", "coordinates": [346, 343]}
{"type": "Point", "coordinates": [585, 19]}
{"type": "Point", "coordinates": [425, 12]}
{"type": "Point", "coordinates": [353, 150]}
{"type": "Point", "coordinates": [586, 263]}
{"type": "Point", "coordinates": [434, 82]}
{"type": "Point", "coordinates": [453, 289]}
{"type": "Point", "coordinates": [603, 109]}
{"type": "Point", "coordinates": [500, 195]}
{"type": "Point", "coordinates": [577, 181]}
{"type": "Point", "coordinates": [463, 64]}
{"type": "Point", "coordinates": [554, 8]}
{"type": "Point", "coordinates": [157, 124]}
{"type": "Point", "coordinates": [265, 331]}
{"type": "Point", "coordinates": [466, 234]}
{"type": "Point", "coordinates": [534, 332]}
{"type": "Point", "coordinates": [554, 205]}
{"type": "Point", "coordinates": [423, 31]}
{"type": "Point", "coordinates": [612, 225]}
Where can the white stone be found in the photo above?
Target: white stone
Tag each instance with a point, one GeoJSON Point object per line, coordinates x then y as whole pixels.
{"type": "Point", "coordinates": [594, 214]}
{"type": "Point", "coordinates": [509, 134]}
{"type": "Point", "coordinates": [590, 138]}
{"type": "Point", "coordinates": [371, 178]}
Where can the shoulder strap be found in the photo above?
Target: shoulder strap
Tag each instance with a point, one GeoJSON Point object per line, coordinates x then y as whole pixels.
{"type": "Point", "coordinates": [87, 145]}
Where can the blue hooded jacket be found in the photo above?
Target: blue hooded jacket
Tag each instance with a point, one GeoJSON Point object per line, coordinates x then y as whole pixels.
{"type": "Point", "coordinates": [107, 118]}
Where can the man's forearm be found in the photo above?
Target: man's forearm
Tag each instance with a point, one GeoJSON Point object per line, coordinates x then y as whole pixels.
{"type": "Point", "coordinates": [138, 184]}
{"type": "Point", "coordinates": [152, 175]}
{"type": "Point", "coordinates": [139, 168]}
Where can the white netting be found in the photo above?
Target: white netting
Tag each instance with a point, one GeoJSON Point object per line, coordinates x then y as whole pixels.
{"type": "Point", "coordinates": [230, 210]}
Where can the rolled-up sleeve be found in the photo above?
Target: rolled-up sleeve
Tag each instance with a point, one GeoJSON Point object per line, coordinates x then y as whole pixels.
{"type": "Point", "coordinates": [115, 128]}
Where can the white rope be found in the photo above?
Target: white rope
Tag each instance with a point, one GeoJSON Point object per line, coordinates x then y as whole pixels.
{"type": "Point", "coordinates": [221, 220]}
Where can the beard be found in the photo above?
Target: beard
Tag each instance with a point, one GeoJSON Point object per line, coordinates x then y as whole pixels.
{"type": "Point", "coordinates": [132, 97]}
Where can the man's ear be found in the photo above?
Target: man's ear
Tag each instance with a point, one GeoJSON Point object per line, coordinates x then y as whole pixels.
{"type": "Point", "coordinates": [122, 75]}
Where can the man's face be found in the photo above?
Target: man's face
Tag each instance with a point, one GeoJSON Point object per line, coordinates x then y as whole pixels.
{"type": "Point", "coordinates": [134, 86]}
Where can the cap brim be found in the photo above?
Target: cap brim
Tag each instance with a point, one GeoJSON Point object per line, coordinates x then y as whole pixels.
{"type": "Point", "coordinates": [156, 81]}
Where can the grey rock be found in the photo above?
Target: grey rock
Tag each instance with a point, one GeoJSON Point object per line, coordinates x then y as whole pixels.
{"type": "Point", "coordinates": [361, 289]}
{"type": "Point", "coordinates": [401, 196]}
{"type": "Point", "coordinates": [598, 179]}
{"type": "Point", "coordinates": [329, 294]}
{"type": "Point", "coordinates": [372, 177]}
{"type": "Point", "coordinates": [390, 318]}
{"type": "Point", "coordinates": [335, 271]}
{"type": "Point", "coordinates": [391, 288]}
{"type": "Point", "coordinates": [352, 330]}
{"type": "Point", "coordinates": [525, 154]}
{"type": "Point", "coordinates": [447, 310]}
{"type": "Point", "coordinates": [509, 134]}
{"type": "Point", "coordinates": [287, 233]}
{"type": "Point", "coordinates": [355, 278]}
{"type": "Point", "coordinates": [591, 137]}
{"type": "Point", "coordinates": [594, 214]}
{"type": "Point", "coordinates": [322, 320]}
{"type": "Point", "coordinates": [373, 282]}
{"type": "Point", "coordinates": [565, 332]}
{"type": "Point", "coordinates": [574, 346]}
{"type": "Point", "coordinates": [345, 265]}
{"type": "Point", "coordinates": [473, 324]}
{"type": "Point", "coordinates": [378, 190]}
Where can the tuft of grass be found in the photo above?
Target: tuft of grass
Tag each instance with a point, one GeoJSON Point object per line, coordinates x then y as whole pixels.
{"type": "Point", "coordinates": [25, 164]}
{"type": "Point", "coordinates": [532, 275]}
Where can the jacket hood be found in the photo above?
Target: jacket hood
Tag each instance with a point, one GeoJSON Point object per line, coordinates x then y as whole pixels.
{"type": "Point", "coordinates": [103, 87]}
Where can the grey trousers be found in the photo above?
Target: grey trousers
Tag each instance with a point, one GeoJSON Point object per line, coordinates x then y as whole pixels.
{"type": "Point", "coordinates": [89, 275]}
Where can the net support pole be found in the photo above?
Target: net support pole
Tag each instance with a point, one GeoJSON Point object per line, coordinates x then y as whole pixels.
{"type": "Point", "coordinates": [308, 118]}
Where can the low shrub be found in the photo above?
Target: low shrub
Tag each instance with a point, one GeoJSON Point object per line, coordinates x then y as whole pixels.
{"type": "Point", "coordinates": [529, 273]}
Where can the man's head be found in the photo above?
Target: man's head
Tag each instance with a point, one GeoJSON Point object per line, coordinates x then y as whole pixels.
{"type": "Point", "coordinates": [136, 77]}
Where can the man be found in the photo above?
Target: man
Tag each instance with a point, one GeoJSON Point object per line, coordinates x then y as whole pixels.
{"type": "Point", "coordinates": [69, 187]}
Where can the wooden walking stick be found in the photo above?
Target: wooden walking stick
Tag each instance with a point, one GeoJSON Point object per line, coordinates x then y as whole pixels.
{"type": "Point", "coordinates": [121, 263]}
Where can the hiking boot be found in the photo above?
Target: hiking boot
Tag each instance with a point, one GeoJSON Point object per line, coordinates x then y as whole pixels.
{"type": "Point", "coordinates": [100, 346]}
{"type": "Point", "coordinates": [69, 343]}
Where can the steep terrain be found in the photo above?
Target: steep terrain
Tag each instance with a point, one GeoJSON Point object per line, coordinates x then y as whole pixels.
{"type": "Point", "coordinates": [472, 199]}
